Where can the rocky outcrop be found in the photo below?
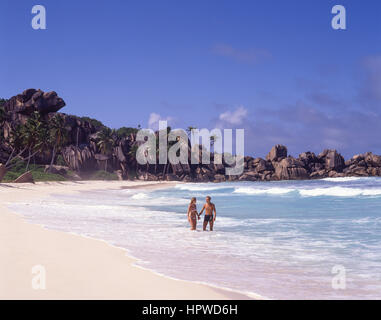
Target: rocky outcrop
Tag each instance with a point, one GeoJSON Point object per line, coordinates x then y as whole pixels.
{"type": "Point", "coordinates": [363, 165]}
{"type": "Point", "coordinates": [25, 178]}
{"type": "Point", "coordinates": [310, 162]}
{"type": "Point", "coordinates": [329, 163]}
{"type": "Point", "coordinates": [62, 170]}
{"type": "Point", "coordinates": [80, 132]}
{"type": "Point", "coordinates": [82, 154]}
{"type": "Point", "coordinates": [277, 153]}
{"type": "Point", "coordinates": [257, 169]}
{"type": "Point", "coordinates": [79, 158]}
{"type": "Point", "coordinates": [290, 169]}
{"type": "Point", "coordinates": [19, 108]}
{"type": "Point", "coordinates": [32, 100]}
{"type": "Point", "coordinates": [332, 160]}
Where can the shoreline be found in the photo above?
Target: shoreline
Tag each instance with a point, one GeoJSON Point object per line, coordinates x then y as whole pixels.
{"type": "Point", "coordinates": [82, 260]}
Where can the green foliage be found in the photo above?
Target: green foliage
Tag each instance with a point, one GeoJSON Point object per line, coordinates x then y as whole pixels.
{"type": "Point", "coordinates": [38, 173]}
{"type": "Point", "coordinates": [38, 135]}
{"type": "Point", "coordinates": [60, 161]}
{"type": "Point", "coordinates": [94, 122]}
{"type": "Point", "coordinates": [2, 103]}
{"type": "Point", "coordinates": [2, 114]}
{"type": "Point", "coordinates": [213, 140]}
{"type": "Point", "coordinates": [46, 176]}
{"type": "Point", "coordinates": [2, 118]}
{"type": "Point", "coordinates": [11, 176]}
{"type": "Point", "coordinates": [58, 135]}
{"type": "Point", "coordinates": [35, 133]}
{"type": "Point", "coordinates": [16, 138]}
{"type": "Point", "coordinates": [18, 165]}
{"type": "Point", "coordinates": [189, 130]}
{"type": "Point", "coordinates": [133, 150]}
{"type": "Point", "coordinates": [132, 174]}
{"type": "Point", "coordinates": [58, 132]}
{"type": "Point", "coordinates": [103, 175]}
{"type": "Point", "coordinates": [124, 132]}
{"type": "Point", "coordinates": [106, 141]}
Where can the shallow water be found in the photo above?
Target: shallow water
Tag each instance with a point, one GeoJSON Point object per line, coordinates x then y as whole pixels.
{"type": "Point", "coordinates": [280, 240]}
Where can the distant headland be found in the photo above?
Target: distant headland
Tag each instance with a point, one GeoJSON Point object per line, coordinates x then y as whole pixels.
{"type": "Point", "coordinates": [37, 142]}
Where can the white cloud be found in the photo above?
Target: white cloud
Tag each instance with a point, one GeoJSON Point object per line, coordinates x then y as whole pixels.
{"type": "Point", "coordinates": [154, 118]}
{"type": "Point", "coordinates": [234, 117]}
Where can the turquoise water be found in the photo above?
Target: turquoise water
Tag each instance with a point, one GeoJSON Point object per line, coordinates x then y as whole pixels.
{"type": "Point", "coordinates": [279, 240]}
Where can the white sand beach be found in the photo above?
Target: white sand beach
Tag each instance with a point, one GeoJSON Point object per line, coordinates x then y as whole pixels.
{"type": "Point", "coordinates": [78, 267]}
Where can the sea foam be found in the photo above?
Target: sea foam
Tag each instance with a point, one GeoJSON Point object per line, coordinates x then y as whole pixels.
{"type": "Point", "coordinates": [342, 179]}
{"type": "Point", "coordinates": [310, 192]}
{"type": "Point", "coordinates": [339, 192]}
{"type": "Point", "coordinates": [256, 191]}
{"type": "Point", "coordinates": [201, 187]}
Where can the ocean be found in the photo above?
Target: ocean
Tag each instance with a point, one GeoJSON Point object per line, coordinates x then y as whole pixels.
{"type": "Point", "coordinates": [275, 240]}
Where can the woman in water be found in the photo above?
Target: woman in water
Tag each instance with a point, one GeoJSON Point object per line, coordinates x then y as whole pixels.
{"type": "Point", "coordinates": [192, 214]}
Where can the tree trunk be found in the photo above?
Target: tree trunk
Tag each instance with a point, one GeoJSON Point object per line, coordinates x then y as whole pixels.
{"type": "Point", "coordinates": [27, 166]}
{"type": "Point", "coordinates": [53, 156]}
{"type": "Point", "coordinates": [10, 157]}
{"type": "Point", "coordinates": [3, 171]}
{"type": "Point", "coordinates": [165, 167]}
{"type": "Point", "coordinates": [63, 157]}
{"type": "Point", "coordinates": [77, 136]}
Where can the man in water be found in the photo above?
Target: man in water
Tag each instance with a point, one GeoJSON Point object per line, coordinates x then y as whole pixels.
{"type": "Point", "coordinates": [210, 214]}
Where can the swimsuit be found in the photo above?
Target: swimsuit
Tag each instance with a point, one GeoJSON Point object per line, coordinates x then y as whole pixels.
{"type": "Point", "coordinates": [193, 212]}
{"type": "Point", "coordinates": [208, 217]}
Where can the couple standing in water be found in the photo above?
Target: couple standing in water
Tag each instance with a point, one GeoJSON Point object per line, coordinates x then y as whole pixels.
{"type": "Point", "coordinates": [210, 214]}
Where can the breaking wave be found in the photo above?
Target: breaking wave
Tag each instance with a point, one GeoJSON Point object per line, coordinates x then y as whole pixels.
{"type": "Point", "coordinates": [255, 191]}
{"type": "Point", "coordinates": [342, 179]}
{"type": "Point", "coordinates": [340, 192]}
{"type": "Point", "coordinates": [201, 187]}
{"type": "Point", "coordinates": [316, 192]}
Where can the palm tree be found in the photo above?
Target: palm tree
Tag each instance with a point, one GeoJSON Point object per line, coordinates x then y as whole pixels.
{"type": "Point", "coordinates": [189, 130]}
{"type": "Point", "coordinates": [169, 144]}
{"type": "Point", "coordinates": [34, 134]}
{"type": "Point", "coordinates": [2, 118]}
{"type": "Point", "coordinates": [2, 111]}
{"type": "Point", "coordinates": [2, 115]}
{"type": "Point", "coordinates": [213, 139]}
{"type": "Point", "coordinates": [58, 135]}
{"type": "Point", "coordinates": [106, 142]}
{"type": "Point", "coordinates": [132, 157]}
{"type": "Point", "coordinates": [16, 143]}
{"type": "Point", "coordinates": [190, 134]}
{"type": "Point", "coordinates": [146, 154]}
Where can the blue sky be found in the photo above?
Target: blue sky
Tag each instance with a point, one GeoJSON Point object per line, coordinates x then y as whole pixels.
{"type": "Point", "coordinates": [275, 68]}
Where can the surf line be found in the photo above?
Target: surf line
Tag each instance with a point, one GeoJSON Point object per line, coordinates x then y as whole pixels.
{"type": "Point", "coordinates": [152, 310]}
